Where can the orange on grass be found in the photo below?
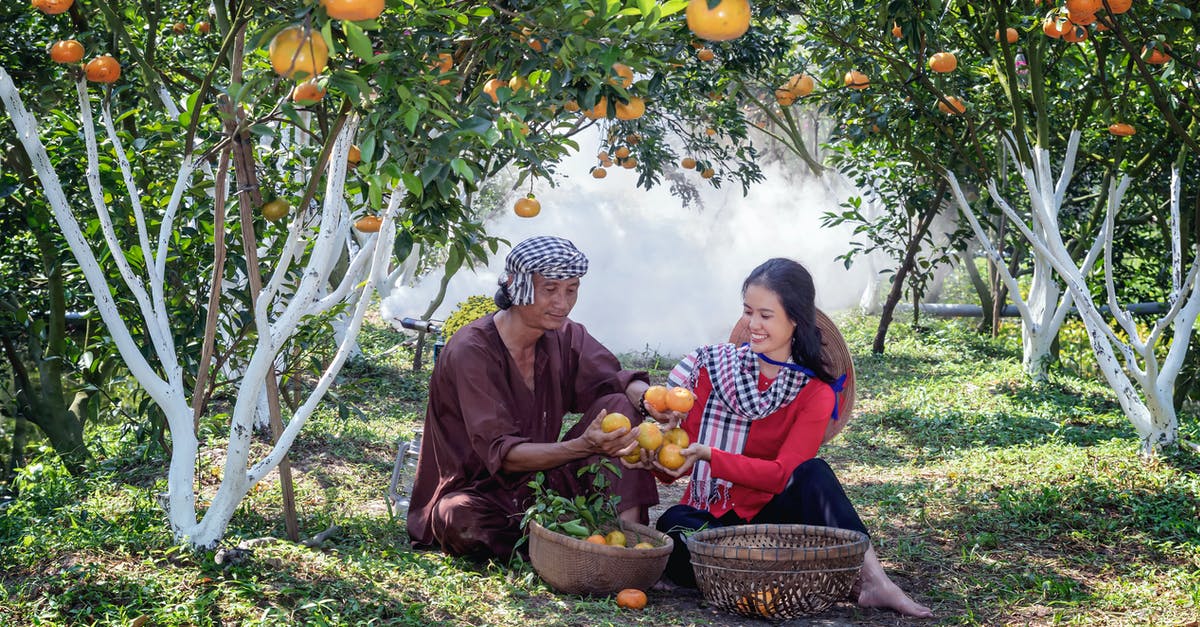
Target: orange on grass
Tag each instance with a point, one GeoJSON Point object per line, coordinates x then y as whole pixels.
{"type": "Point", "coordinates": [353, 10]}
{"type": "Point", "coordinates": [728, 20]}
{"type": "Point", "coordinates": [856, 80]}
{"type": "Point", "coordinates": [1120, 129]}
{"type": "Point", "coordinates": [942, 62]}
{"type": "Point", "coordinates": [624, 75]}
{"type": "Point", "coordinates": [275, 209]}
{"type": "Point", "coordinates": [528, 207]}
{"type": "Point", "coordinates": [632, 110]}
{"type": "Point", "coordinates": [670, 457]}
{"type": "Point", "coordinates": [704, 54]}
{"type": "Point", "coordinates": [102, 69]}
{"type": "Point", "coordinates": [307, 92]}
{"type": "Point", "coordinates": [631, 598]}
{"type": "Point", "coordinates": [298, 49]}
{"type": "Point", "coordinates": [656, 395]}
{"type": "Point", "coordinates": [599, 173]}
{"type": "Point", "coordinates": [690, 164]}
{"type": "Point", "coordinates": [677, 436]}
{"type": "Point", "coordinates": [369, 224]}
{"type": "Point", "coordinates": [680, 399]}
{"type": "Point", "coordinates": [955, 106]}
{"type": "Point", "coordinates": [615, 538]}
{"type": "Point", "coordinates": [595, 538]}
{"type": "Point", "coordinates": [66, 51]}
{"type": "Point", "coordinates": [650, 437]}
{"type": "Point", "coordinates": [612, 422]}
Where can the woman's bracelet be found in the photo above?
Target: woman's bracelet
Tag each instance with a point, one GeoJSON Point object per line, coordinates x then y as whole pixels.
{"type": "Point", "coordinates": [642, 406]}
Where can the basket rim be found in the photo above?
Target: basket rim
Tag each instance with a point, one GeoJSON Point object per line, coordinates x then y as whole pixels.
{"type": "Point", "coordinates": [542, 533]}
{"type": "Point", "coordinates": [703, 543]}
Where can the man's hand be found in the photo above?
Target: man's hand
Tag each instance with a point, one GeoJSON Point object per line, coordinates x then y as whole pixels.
{"type": "Point", "coordinates": [668, 418]}
{"type": "Point", "coordinates": [614, 443]}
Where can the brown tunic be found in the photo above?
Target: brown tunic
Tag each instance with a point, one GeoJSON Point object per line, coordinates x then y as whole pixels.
{"type": "Point", "coordinates": [480, 408]}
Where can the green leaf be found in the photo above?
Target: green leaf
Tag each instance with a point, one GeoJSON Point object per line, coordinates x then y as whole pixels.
{"type": "Point", "coordinates": [460, 167]}
{"type": "Point", "coordinates": [358, 40]}
{"type": "Point", "coordinates": [411, 117]}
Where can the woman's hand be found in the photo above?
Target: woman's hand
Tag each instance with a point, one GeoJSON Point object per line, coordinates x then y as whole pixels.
{"type": "Point", "coordinates": [645, 460]}
{"type": "Point", "coordinates": [668, 419]}
{"type": "Point", "coordinates": [693, 453]}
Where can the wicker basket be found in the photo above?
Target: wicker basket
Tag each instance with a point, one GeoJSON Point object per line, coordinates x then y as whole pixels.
{"type": "Point", "coordinates": [776, 571]}
{"type": "Point", "coordinates": [577, 567]}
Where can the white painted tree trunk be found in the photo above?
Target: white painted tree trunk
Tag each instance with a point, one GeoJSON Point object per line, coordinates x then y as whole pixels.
{"type": "Point", "coordinates": [162, 374]}
{"type": "Point", "coordinates": [1045, 305]}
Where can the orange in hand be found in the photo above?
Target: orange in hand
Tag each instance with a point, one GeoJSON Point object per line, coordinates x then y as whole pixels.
{"type": "Point", "coordinates": [678, 437]}
{"type": "Point", "coordinates": [670, 457]}
{"type": "Point", "coordinates": [612, 422]}
{"type": "Point", "coordinates": [650, 437]}
{"type": "Point", "coordinates": [656, 397]}
{"type": "Point", "coordinates": [680, 399]}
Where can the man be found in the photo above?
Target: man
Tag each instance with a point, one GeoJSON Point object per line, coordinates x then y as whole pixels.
{"type": "Point", "coordinates": [497, 399]}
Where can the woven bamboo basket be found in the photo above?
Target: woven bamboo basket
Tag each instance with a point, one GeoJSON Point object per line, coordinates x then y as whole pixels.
{"type": "Point", "coordinates": [575, 566]}
{"type": "Point", "coordinates": [836, 355]}
{"type": "Point", "coordinates": [776, 571]}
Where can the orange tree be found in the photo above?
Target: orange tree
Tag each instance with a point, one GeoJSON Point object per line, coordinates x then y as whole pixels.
{"type": "Point", "coordinates": [191, 122]}
{"type": "Point", "coordinates": [1021, 122]}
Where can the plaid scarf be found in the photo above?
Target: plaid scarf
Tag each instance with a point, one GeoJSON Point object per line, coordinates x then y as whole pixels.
{"type": "Point", "coordinates": [552, 257]}
{"type": "Point", "coordinates": [735, 403]}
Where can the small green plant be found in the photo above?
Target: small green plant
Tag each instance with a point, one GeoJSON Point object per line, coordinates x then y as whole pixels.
{"type": "Point", "coordinates": [579, 516]}
{"type": "Point", "coordinates": [466, 312]}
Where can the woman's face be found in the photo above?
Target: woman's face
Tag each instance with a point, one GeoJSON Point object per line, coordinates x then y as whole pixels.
{"type": "Point", "coordinates": [770, 328]}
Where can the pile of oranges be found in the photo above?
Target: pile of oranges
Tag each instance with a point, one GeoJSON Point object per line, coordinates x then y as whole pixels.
{"type": "Point", "coordinates": [665, 446]}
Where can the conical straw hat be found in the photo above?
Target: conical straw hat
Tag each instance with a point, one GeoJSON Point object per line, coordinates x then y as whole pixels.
{"type": "Point", "coordinates": [836, 355]}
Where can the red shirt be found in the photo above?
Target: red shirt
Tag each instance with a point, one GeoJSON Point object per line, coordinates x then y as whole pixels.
{"type": "Point", "coordinates": [775, 445]}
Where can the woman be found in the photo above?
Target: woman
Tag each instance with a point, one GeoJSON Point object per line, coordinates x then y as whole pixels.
{"type": "Point", "coordinates": [760, 414]}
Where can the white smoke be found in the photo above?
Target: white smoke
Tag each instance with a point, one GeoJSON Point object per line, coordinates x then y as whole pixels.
{"type": "Point", "coordinates": [663, 277]}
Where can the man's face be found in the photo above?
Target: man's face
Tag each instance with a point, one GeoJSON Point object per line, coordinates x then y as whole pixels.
{"type": "Point", "coordinates": [553, 300]}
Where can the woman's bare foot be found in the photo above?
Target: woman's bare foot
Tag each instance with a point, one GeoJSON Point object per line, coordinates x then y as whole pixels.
{"type": "Point", "coordinates": [878, 590]}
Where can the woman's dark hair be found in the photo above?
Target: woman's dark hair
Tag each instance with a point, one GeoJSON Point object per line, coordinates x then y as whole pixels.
{"type": "Point", "coordinates": [794, 286]}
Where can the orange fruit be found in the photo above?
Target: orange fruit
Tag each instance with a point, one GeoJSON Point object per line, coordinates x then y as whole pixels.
{"type": "Point", "coordinates": [800, 85]}
{"type": "Point", "coordinates": [710, 131]}
{"type": "Point", "coordinates": [704, 54]}
{"type": "Point", "coordinates": [353, 10]}
{"type": "Point", "coordinates": [670, 457]}
{"type": "Point", "coordinates": [491, 86]}
{"type": "Point", "coordinates": [728, 20]}
{"type": "Point", "coordinates": [643, 545]}
{"type": "Point", "coordinates": [1081, 19]}
{"type": "Point", "coordinates": [1120, 129]}
{"type": "Point", "coordinates": [66, 51]}
{"type": "Point", "coordinates": [571, 106]}
{"type": "Point", "coordinates": [634, 109]}
{"type": "Point", "coordinates": [1075, 34]}
{"type": "Point", "coordinates": [599, 173]}
{"type": "Point", "coordinates": [598, 111]}
{"type": "Point", "coordinates": [527, 207]}
{"type": "Point", "coordinates": [53, 7]}
{"type": "Point", "coordinates": [624, 75]}
{"type": "Point", "coordinates": [1117, 7]}
{"type": "Point", "coordinates": [956, 106]}
{"type": "Point", "coordinates": [896, 31]}
{"type": "Point", "coordinates": [621, 153]}
{"type": "Point", "coordinates": [677, 436]}
{"type": "Point", "coordinates": [943, 62]}
{"type": "Point", "coordinates": [203, 28]}
{"type": "Point", "coordinates": [1010, 34]}
{"type": "Point", "coordinates": [307, 92]}
{"type": "Point", "coordinates": [707, 173]}
{"type": "Point", "coordinates": [784, 97]}
{"type": "Point", "coordinates": [856, 80]}
{"type": "Point", "coordinates": [517, 83]}
{"type": "Point", "coordinates": [688, 163]}
{"type": "Point", "coordinates": [650, 437]}
{"type": "Point", "coordinates": [369, 224]}
{"type": "Point", "coordinates": [179, 28]}
{"type": "Point", "coordinates": [596, 538]}
{"type": "Point", "coordinates": [631, 598]}
{"type": "Point", "coordinates": [633, 139]}
{"type": "Point", "coordinates": [629, 163]}
{"type": "Point", "coordinates": [634, 456]}
{"type": "Point", "coordinates": [354, 155]}
{"type": "Point", "coordinates": [275, 209]}
{"type": "Point", "coordinates": [656, 395]}
{"type": "Point", "coordinates": [1083, 7]}
{"type": "Point", "coordinates": [1056, 25]}
{"type": "Point", "coordinates": [298, 49]}
{"type": "Point", "coordinates": [680, 399]}
{"type": "Point", "coordinates": [102, 69]}
{"type": "Point", "coordinates": [612, 422]}
{"type": "Point", "coordinates": [445, 62]}
{"type": "Point", "coordinates": [615, 538]}
{"type": "Point", "coordinates": [1156, 56]}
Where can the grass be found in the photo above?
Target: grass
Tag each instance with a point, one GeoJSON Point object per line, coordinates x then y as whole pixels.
{"type": "Point", "coordinates": [992, 499]}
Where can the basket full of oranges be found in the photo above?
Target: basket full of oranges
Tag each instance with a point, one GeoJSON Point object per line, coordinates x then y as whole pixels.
{"type": "Point", "coordinates": [634, 556]}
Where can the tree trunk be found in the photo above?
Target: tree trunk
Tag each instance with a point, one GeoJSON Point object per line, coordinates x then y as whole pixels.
{"type": "Point", "coordinates": [981, 290]}
{"type": "Point", "coordinates": [909, 261]}
{"type": "Point", "coordinates": [16, 457]}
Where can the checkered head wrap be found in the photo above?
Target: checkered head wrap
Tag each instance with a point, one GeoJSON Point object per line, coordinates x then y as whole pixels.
{"type": "Point", "coordinates": [552, 257]}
